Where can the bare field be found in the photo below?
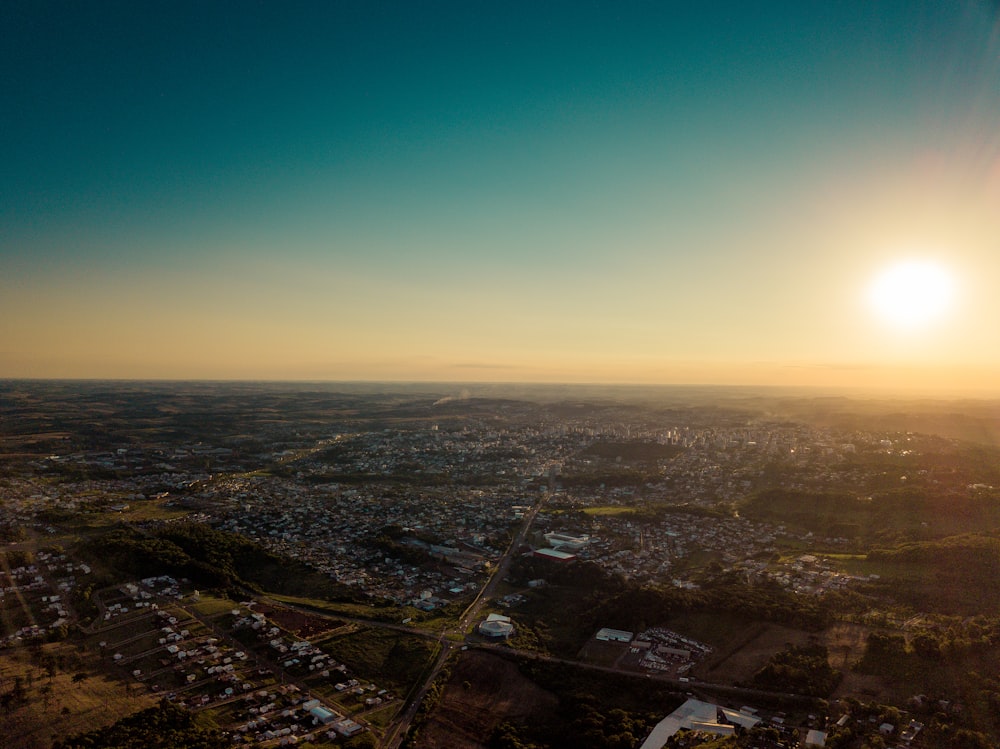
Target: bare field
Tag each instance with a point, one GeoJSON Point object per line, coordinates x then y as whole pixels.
{"type": "Point", "coordinates": [483, 691]}
{"type": "Point", "coordinates": [298, 623]}
{"type": "Point", "coordinates": [602, 653]}
{"type": "Point", "coordinates": [748, 650]}
{"type": "Point", "coordinates": [846, 644]}
{"type": "Point", "coordinates": [740, 659]}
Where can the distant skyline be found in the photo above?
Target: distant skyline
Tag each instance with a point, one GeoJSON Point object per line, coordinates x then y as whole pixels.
{"type": "Point", "coordinates": [627, 192]}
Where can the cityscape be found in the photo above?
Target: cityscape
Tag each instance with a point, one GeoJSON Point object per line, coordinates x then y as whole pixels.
{"type": "Point", "coordinates": [565, 375]}
{"type": "Point", "coordinates": [321, 559]}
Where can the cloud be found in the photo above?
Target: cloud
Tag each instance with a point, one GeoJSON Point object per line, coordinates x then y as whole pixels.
{"type": "Point", "coordinates": [479, 365]}
{"type": "Point", "coordinates": [834, 367]}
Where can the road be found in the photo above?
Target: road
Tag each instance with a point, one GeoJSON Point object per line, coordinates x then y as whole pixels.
{"type": "Point", "coordinates": [502, 568]}
{"type": "Point", "coordinates": [684, 686]}
{"type": "Point", "coordinates": [397, 730]}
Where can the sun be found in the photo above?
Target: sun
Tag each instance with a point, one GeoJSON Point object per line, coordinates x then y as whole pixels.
{"type": "Point", "coordinates": [912, 294]}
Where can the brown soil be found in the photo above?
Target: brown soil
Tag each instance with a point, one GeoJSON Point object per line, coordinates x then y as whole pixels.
{"type": "Point", "coordinates": [299, 624]}
{"type": "Point", "coordinates": [483, 691]}
{"type": "Point", "coordinates": [846, 643]}
{"type": "Point", "coordinates": [744, 659]}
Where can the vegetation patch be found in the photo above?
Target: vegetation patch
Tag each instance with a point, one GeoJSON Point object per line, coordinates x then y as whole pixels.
{"type": "Point", "coordinates": [55, 689]}
{"type": "Point", "coordinates": [596, 710]}
{"type": "Point", "coordinates": [955, 575]}
{"type": "Point", "coordinates": [803, 669]}
{"type": "Point", "coordinates": [209, 557]}
{"type": "Point", "coordinates": [899, 513]}
{"type": "Point", "coordinates": [609, 511]}
{"type": "Point", "coordinates": [162, 727]}
{"type": "Point", "coordinates": [391, 659]}
{"type": "Point", "coordinates": [483, 691]}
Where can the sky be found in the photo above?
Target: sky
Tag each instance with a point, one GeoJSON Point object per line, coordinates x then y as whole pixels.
{"type": "Point", "coordinates": [647, 192]}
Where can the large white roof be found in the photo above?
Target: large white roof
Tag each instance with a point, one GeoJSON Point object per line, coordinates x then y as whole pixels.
{"type": "Point", "coordinates": [694, 714]}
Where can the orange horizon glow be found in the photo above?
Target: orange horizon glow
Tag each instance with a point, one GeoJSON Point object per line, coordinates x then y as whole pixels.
{"type": "Point", "coordinates": [523, 217]}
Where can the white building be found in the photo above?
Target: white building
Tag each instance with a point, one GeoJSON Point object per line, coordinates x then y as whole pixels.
{"type": "Point", "coordinates": [701, 716]}
{"type": "Point", "coordinates": [497, 626]}
{"type": "Point", "coordinates": [565, 541]}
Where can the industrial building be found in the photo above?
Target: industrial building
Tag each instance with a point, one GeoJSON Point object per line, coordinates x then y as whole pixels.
{"type": "Point", "coordinates": [696, 715]}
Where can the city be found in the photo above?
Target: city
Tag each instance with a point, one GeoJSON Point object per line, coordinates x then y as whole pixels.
{"type": "Point", "coordinates": [564, 375]}
{"type": "Point", "coordinates": [305, 578]}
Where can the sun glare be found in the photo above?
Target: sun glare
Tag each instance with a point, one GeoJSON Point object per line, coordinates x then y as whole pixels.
{"type": "Point", "coordinates": [912, 294]}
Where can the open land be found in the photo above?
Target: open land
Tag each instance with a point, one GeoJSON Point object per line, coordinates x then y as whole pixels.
{"type": "Point", "coordinates": [314, 563]}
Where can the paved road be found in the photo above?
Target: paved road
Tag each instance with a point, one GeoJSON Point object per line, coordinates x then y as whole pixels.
{"type": "Point", "coordinates": [398, 729]}
{"type": "Point", "coordinates": [670, 681]}
{"type": "Point", "coordinates": [503, 566]}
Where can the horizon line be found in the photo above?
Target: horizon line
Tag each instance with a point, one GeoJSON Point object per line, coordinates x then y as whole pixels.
{"type": "Point", "coordinates": [870, 390]}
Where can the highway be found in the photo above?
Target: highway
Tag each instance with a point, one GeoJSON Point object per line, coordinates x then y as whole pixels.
{"type": "Point", "coordinates": [397, 730]}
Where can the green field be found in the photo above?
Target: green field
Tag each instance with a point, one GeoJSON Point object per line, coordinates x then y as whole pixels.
{"type": "Point", "coordinates": [212, 605]}
{"type": "Point", "coordinates": [390, 659]}
{"type": "Point", "coordinates": [381, 717]}
{"type": "Point", "coordinates": [344, 609]}
{"type": "Point", "coordinates": [609, 511]}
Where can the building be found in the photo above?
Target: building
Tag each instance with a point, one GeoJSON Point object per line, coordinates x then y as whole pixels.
{"type": "Point", "coordinates": [555, 555]}
{"type": "Point", "coordinates": [496, 626]}
{"type": "Point", "coordinates": [565, 541]}
{"type": "Point", "coordinates": [606, 634]}
{"type": "Point", "coordinates": [700, 716]}
{"type": "Point", "coordinates": [816, 738]}
{"type": "Point", "coordinates": [347, 727]}
{"type": "Point", "coordinates": [322, 715]}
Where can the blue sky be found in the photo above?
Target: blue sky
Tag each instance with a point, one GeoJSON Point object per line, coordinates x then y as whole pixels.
{"type": "Point", "coordinates": [587, 191]}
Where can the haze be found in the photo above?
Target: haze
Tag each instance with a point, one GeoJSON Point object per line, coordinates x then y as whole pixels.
{"type": "Point", "coordinates": [600, 192]}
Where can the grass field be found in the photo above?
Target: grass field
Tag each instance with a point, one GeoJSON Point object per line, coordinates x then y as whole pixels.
{"type": "Point", "coordinates": [352, 610]}
{"type": "Point", "coordinates": [390, 659]}
{"type": "Point", "coordinates": [211, 605]}
{"type": "Point", "coordinates": [844, 557]}
{"type": "Point", "coordinates": [153, 509]}
{"type": "Point", "coordinates": [608, 511]}
{"type": "Point", "coordinates": [74, 699]}
{"type": "Point", "coordinates": [483, 690]}
{"type": "Point", "coordinates": [739, 659]}
{"type": "Point", "coordinates": [383, 716]}
{"type": "Point", "coordinates": [711, 628]}
{"type": "Point", "coordinates": [552, 621]}
{"type": "Point", "coordinates": [601, 653]}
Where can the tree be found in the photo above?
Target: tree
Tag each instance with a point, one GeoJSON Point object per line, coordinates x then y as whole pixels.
{"type": "Point", "coordinates": [926, 645]}
{"type": "Point", "coordinates": [19, 693]}
{"type": "Point", "coordinates": [165, 726]}
{"type": "Point", "coordinates": [966, 739]}
{"type": "Point", "coordinates": [362, 741]}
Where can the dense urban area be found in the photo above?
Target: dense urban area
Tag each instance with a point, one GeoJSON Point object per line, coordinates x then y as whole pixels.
{"type": "Point", "coordinates": [427, 566]}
